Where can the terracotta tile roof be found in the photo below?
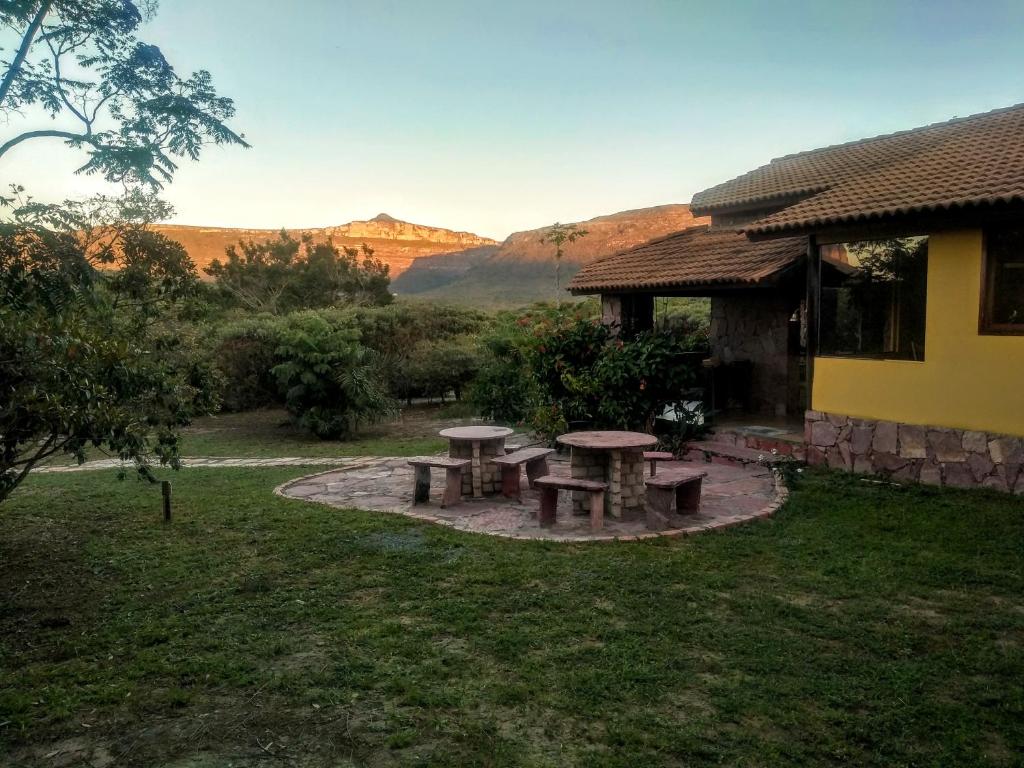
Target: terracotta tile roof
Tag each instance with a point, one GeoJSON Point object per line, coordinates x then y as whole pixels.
{"type": "Point", "coordinates": [977, 160]}
{"type": "Point", "coordinates": [693, 258]}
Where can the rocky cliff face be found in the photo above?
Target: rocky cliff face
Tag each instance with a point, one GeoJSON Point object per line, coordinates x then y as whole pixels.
{"type": "Point", "coordinates": [397, 243]}
{"type": "Point", "coordinates": [522, 269]}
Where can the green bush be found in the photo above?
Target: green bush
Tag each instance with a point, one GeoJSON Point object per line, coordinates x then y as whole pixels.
{"type": "Point", "coordinates": [312, 362]}
{"type": "Point", "coordinates": [558, 370]}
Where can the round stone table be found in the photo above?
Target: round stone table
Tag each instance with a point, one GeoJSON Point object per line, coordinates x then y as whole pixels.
{"type": "Point", "coordinates": [480, 445]}
{"type": "Point", "coordinates": [616, 458]}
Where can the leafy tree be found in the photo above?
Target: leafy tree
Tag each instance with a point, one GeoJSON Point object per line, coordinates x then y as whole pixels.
{"type": "Point", "coordinates": [288, 274]}
{"type": "Point", "coordinates": [559, 235]}
{"type": "Point", "coordinates": [85, 358]}
{"type": "Point", "coordinates": [440, 366]}
{"type": "Point", "coordinates": [118, 98]}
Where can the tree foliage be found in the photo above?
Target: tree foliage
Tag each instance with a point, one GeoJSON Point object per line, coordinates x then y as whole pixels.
{"type": "Point", "coordinates": [86, 355]}
{"type": "Point", "coordinates": [80, 63]}
{"type": "Point", "coordinates": [288, 274]}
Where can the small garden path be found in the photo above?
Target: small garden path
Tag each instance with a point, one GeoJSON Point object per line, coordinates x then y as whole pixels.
{"type": "Point", "coordinates": [731, 495]}
{"type": "Point", "coordinates": [216, 461]}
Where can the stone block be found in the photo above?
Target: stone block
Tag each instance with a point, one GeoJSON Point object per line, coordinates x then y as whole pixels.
{"type": "Point", "coordinates": [813, 416]}
{"type": "Point", "coordinates": [981, 465]}
{"type": "Point", "coordinates": [887, 462]}
{"type": "Point", "coordinates": [958, 475]}
{"type": "Point", "coordinates": [930, 474]}
{"type": "Point", "coordinates": [823, 434]}
{"type": "Point", "coordinates": [1006, 450]}
{"type": "Point", "coordinates": [909, 473]}
{"type": "Point", "coordinates": [835, 458]}
{"type": "Point", "coordinates": [886, 439]}
{"type": "Point", "coordinates": [837, 419]}
{"type": "Point", "coordinates": [945, 445]}
{"type": "Point", "coordinates": [815, 456]}
{"type": "Point", "coordinates": [974, 442]}
{"type": "Point", "coordinates": [862, 465]}
{"type": "Point", "coordinates": [913, 442]}
{"type": "Point", "coordinates": [860, 439]}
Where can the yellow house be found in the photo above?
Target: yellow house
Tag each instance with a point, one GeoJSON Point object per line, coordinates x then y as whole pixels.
{"type": "Point", "coordinates": [915, 294]}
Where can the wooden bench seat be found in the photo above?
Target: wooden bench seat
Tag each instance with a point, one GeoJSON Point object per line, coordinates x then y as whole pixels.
{"type": "Point", "coordinates": [453, 478]}
{"type": "Point", "coordinates": [654, 457]}
{"type": "Point", "coordinates": [669, 495]}
{"type": "Point", "coordinates": [550, 485]}
{"type": "Point", "coordinates": [536, 461]}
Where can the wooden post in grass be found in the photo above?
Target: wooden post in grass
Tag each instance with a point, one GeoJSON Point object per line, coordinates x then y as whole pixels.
{"type": "Point", "coordinates": [165, 490]}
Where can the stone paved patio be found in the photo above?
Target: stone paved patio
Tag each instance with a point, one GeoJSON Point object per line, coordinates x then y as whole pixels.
{"type": "Point", "coordinates": [731, 495]}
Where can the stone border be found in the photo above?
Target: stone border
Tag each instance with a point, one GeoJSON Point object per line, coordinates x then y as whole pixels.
{"type": "Point", "coordinates": [941, 456]}
{"type": "Point", "coordinates": [781, 495]}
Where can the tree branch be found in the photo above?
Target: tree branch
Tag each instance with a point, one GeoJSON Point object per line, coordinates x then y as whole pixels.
{"type": "Point", "coordinates": [60, 88]}
{"type": "Point", "coordinates": [26, 42]}
{"type": "Point", "coordinates": [8, 145]}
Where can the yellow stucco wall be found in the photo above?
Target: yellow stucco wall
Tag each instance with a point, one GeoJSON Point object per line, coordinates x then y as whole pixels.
{"type": "Point", "coordinates": [966, 380]}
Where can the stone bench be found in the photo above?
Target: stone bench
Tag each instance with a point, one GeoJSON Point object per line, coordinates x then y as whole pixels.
{"type": "Point", "coordinates": [669, 495]}
{"type": "Point", "coordinates": [550, 485]}
{"type": "Point", "coordinates": [536, 461]}
{"type": "Point", "coordinates": [654, 457]}
{"type": "Point", "coordinates": [453, 478]}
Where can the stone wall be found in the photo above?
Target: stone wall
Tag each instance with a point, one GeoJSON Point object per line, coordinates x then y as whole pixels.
{"type": "Point", "coordinates": [756, 328]}
{"type": "Point", "coordinates": [914, 453]}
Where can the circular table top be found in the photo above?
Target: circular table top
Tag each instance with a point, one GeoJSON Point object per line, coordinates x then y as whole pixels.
{"type": "Point", "coordinates": [608, 440]}
{"type": "Point", "coordinates": [476, 433]}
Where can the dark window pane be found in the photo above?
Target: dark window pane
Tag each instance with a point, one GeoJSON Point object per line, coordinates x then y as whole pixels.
{"type": "Point", "coordinates": [872, 301]}
{"type": "Point", "coordinates": [1006, 277]}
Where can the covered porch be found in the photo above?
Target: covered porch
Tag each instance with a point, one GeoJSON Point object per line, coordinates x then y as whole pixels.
{"type": "Point", "coordinates": [755, 371]}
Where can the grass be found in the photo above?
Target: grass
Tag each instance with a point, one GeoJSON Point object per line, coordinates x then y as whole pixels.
{"type": "Point", "coordinates": [269, 433]}
{"type": "Point", "coordinates": [863, 625]}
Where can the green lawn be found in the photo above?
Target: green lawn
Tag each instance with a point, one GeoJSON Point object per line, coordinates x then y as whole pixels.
{"type": "Point", "coordinates": [269, 433]}
{"type": "Point", "coordinates": [863, 625]}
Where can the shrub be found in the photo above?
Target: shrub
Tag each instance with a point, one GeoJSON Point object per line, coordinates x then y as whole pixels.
{"type": "Point", "coordinates": [561, 370]}
{"type": "Point", "coordinates": [313, 363]}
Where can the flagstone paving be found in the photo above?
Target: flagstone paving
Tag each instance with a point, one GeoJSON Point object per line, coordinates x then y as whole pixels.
{"type": "Point", "coordinates": [731, 495]}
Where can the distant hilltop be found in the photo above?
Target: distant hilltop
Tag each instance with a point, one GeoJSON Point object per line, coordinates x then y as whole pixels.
{"type": "Point", "coordinates": [397, 243]}
{"type": "Point", "coordinates": [522, 269]}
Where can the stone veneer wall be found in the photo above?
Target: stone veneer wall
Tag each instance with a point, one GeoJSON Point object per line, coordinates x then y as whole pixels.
{"type": "Point", "coordinates": [756, 328]}
{"type": "Point", "coordinates": [910, 452]}
{"type": "Point", "coordinates": [624, 473]}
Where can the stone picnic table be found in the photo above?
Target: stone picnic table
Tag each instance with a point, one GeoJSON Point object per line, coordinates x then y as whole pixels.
{"type": "Point", "coordinates": [479, 444]}
{"type": "Point", "coordinates": [616, 458]}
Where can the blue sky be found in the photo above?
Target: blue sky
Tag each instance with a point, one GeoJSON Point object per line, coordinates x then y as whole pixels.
{"type": "Point", "coordinates": [499, 116]}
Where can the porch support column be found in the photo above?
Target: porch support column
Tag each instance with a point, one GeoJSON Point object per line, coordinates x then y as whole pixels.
{"type": "Point", "coordinates": [627, 314]}
{"type": "Point", "coordinates": [813, 294]}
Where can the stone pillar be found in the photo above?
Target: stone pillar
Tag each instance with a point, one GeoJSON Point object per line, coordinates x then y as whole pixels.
{"type": "Point", "coordinates": [627, 314]}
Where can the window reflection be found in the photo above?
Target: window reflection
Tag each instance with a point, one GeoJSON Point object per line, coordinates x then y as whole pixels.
{"type": "Point", "coordinates": [1004, 302]}
{"type": "Point", "coordinates": [872, 300]}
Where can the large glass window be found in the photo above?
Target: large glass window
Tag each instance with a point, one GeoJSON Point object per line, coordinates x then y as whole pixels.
{"type": "Point", "coordinates": [872, 300]}
{"type": "Point", "coordinates": [1003, 300]}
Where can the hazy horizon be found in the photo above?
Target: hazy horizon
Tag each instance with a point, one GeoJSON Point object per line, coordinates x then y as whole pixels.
{"type": "Point", "coordinates": [495, 119]}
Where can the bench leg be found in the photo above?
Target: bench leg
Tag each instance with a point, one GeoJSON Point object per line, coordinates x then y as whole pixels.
{"type": "Point", "coordinates": [596, 510]}
{"type": "Point", "coordinates": [659, 508]}
{"type": "Point", "coordinates": [452, 487]}
{"type": "Point", "coordinates": [688, 496]}
{"type": "Point", "coordinates": [548, 506]}
{"type": "Point", "coordinates": [421, 494]}
{"type": "Point", "coordinates": [536, 468]}
{"type": "Point", "coordinates": [654, 467]}
{"type": "Point", "coordinates": [510, 482]}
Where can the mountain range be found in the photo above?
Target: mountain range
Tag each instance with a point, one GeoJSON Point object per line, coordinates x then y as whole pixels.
{"type": "Point", "coordinates": [521, 269]}
{"type": "Point", "coordinates": [461, 267]}
{"type": "Point", "coordinates": [397, 243]}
